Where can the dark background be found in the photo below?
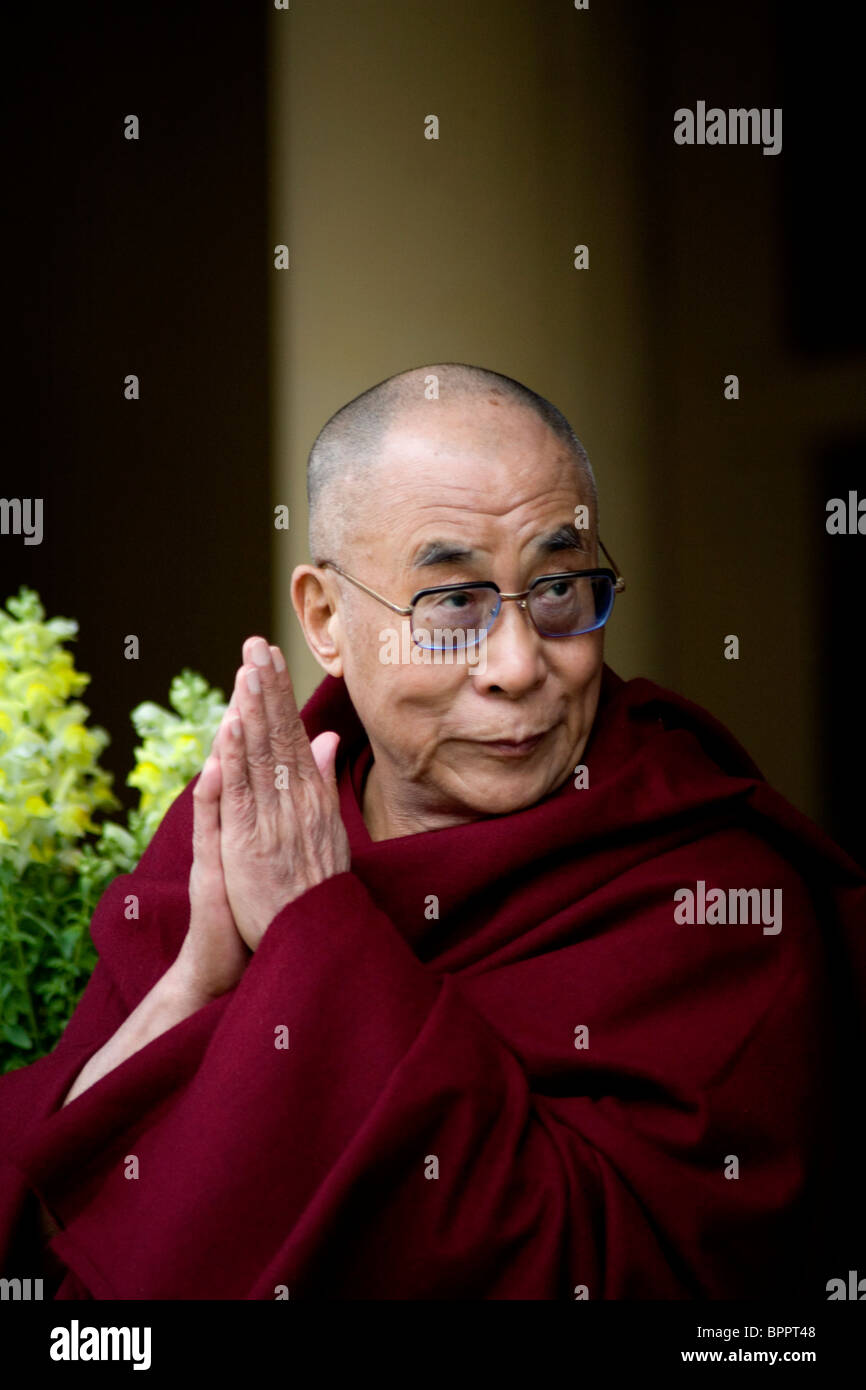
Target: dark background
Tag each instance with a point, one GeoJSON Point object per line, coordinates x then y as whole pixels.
{"type": "Point", "coordinates": [153, 257]}
{"type": "Point", "coordinates": [144, 257]}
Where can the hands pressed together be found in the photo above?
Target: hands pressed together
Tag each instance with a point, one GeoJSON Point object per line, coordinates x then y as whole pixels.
{"type": "Point", "coordinates": [266, 826]}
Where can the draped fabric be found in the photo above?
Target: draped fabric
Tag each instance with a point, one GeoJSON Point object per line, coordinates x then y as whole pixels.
{"type": "Point", "coordinates": [487, 1062]}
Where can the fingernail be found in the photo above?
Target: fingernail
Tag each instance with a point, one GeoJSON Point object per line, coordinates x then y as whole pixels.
{"type": "Point", "coordinates": [260, 654]}
{"type": "Point", "coordinates": [235, 728]}
{"type": "Point", "coordinates": [253, 682]}
{"type": "Point", "coordinates": [277, 659]}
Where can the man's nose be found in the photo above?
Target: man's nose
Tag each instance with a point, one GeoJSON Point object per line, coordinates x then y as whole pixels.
{"type": "Point", "coordinates": [514, 659]}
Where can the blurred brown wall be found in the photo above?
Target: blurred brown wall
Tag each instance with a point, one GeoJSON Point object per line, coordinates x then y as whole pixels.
{"type": "Point", "coordinates": [556, 127]}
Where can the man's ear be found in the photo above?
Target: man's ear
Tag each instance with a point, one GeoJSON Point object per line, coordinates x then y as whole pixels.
{"type": "Point", "coordinates": [314, 596]}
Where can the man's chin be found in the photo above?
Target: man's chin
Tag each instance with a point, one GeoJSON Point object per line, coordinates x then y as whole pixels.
{"type": "Point", "coordinates": [501, 791]}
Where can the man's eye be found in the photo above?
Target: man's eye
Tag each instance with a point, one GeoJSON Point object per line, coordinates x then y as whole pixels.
{"type": "Point", "coordinates": [467, 605]}
{"type": "Point", "coordinates": [557, 588]}
{"type": "Point", "coordinates": [458, 598]}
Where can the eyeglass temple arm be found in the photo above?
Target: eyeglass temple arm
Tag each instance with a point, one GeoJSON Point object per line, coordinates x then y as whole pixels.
{"type": "Point", "coordinates": [395, 608]}
{"type": "Point", "coordinates": [620, 582]}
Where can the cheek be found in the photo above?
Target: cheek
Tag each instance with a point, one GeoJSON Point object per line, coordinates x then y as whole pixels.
{"type": "Point", "coordinates": [579, 668]}
{"type": "Point", "coordinates": [422, 699]}
{"type": "Point", "coordinates": [406, 702]}
{"type": "Point", "coordinates": [580, 677]}
{"type": "Point", "coordinates": [387, 657]}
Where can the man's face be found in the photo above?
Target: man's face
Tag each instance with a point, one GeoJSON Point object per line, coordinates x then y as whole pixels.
{"type": "Point", "coordinates": [491, 478]}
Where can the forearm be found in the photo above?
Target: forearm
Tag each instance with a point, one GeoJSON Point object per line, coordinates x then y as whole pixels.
{"type": "Point", "coordinates": [169, 1002]}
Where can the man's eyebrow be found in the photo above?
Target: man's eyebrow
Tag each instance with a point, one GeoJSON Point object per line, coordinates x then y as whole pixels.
{"type": "Point", "coordinates": [443, 552]}
{"type": "Point", "coordinates": [565, 537]}
{"type": "Point", "coordinates": [448, 552]}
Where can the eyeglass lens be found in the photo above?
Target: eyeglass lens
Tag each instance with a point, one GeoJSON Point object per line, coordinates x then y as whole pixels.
{"type": "Point", "coordinates": [564, 607]}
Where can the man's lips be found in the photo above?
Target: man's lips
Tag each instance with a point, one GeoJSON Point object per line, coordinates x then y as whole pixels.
{"type": "Point", "coordinates": [513, 747]}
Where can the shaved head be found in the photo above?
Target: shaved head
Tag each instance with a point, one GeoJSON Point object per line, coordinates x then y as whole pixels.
{"type": "Point", "coordinates": [348, 448]}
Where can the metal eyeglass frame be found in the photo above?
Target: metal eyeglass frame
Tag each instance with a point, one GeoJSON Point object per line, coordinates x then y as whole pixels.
{"type": "Point", "coordinates": [520, 598]}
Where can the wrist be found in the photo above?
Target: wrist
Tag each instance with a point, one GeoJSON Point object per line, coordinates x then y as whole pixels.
{"type": "Point", "coordinates": [182, 988]}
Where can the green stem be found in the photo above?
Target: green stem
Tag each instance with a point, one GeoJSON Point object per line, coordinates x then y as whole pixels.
{"type": "Point", "coordinates": [16, 938]}
{"type": "Point", "coordinates": [84, 916]}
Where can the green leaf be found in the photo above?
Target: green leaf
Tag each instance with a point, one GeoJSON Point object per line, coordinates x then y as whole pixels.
{"type": "Point", "coordinates": [15, 1034]}
{"type": "Point", "coordinates": [28, 915]}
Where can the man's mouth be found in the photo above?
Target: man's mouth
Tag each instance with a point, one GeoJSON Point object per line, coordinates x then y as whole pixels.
{"type": "Point", "coordinates": [512, 747]}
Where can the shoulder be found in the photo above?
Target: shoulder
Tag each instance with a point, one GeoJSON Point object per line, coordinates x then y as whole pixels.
{"type": "Point", "coordinates": [142, 917]}
{"type": "Point", "coordinates": [696, 759]}
{"type": "Point", "coordinates": [651, 710]}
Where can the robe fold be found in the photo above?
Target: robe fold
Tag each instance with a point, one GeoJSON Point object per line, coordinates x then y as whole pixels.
{"type": "Point", "coordinates": [486, 1062]}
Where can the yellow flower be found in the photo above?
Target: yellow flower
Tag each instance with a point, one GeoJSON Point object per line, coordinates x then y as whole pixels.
{"type": "Point", "coordinates": [50, 778]}
{"type": "Point", "coordinates": [49, 775]}
{"type": "Point", "coordinates": [75, 737]}
{"type": "Point", "coordinates": [73, 820]}
{"type": "Point", "coordinates": [146, 776]}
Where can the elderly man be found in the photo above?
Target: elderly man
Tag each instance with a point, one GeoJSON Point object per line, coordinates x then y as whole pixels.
{"type": "Point", "coordinates": [491, 975]}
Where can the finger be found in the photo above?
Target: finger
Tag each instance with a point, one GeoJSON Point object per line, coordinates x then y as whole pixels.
{"type": "Point", "coordinates": [324, 749]}
{"type": "Point", "coordinates": [208, 785]}
{"type": "Point", "coordinates": [289, 738]}
{"type": "Point", "coordinates": [222, 728]}
{"type": "Point", "coordinates": [218, 736]}
{"type": "Point", "coordinates": [289, 744]}
{"type": "Point", "coordinates": [206, 816]}
{"type": "Point", "coordinates": [247, 650]}
{"type": "Point", "coordinates": [270, 667]}
{"type": "Point", "coordinates": [235, 789]}
{"type": "Point", "coordinates": [257, 741]}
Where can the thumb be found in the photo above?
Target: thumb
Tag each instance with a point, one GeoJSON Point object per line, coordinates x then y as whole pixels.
{"type": "Point", "coordinates": [324, 748]}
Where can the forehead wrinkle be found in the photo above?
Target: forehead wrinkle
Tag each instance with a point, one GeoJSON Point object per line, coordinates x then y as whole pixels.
{"type": "Point", "coordinates": [441, 550]}
{"type": "Point", "coordinates": [456, 515]}
{"type": "Point", "coordinates": [454, 522]}
{"type": "Point", "coordinates": [488, 510]}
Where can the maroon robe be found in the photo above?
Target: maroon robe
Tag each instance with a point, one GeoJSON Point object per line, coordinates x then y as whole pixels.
{"type": "Point", "coordinates": [436, 1127]}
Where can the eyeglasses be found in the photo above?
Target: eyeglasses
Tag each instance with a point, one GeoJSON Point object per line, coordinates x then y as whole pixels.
{"type": "Point", "coordinates": [457, 615]}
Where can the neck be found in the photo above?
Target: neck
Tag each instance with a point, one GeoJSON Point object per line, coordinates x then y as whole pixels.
{"type": "Point", "coordinates": [386, 817]}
